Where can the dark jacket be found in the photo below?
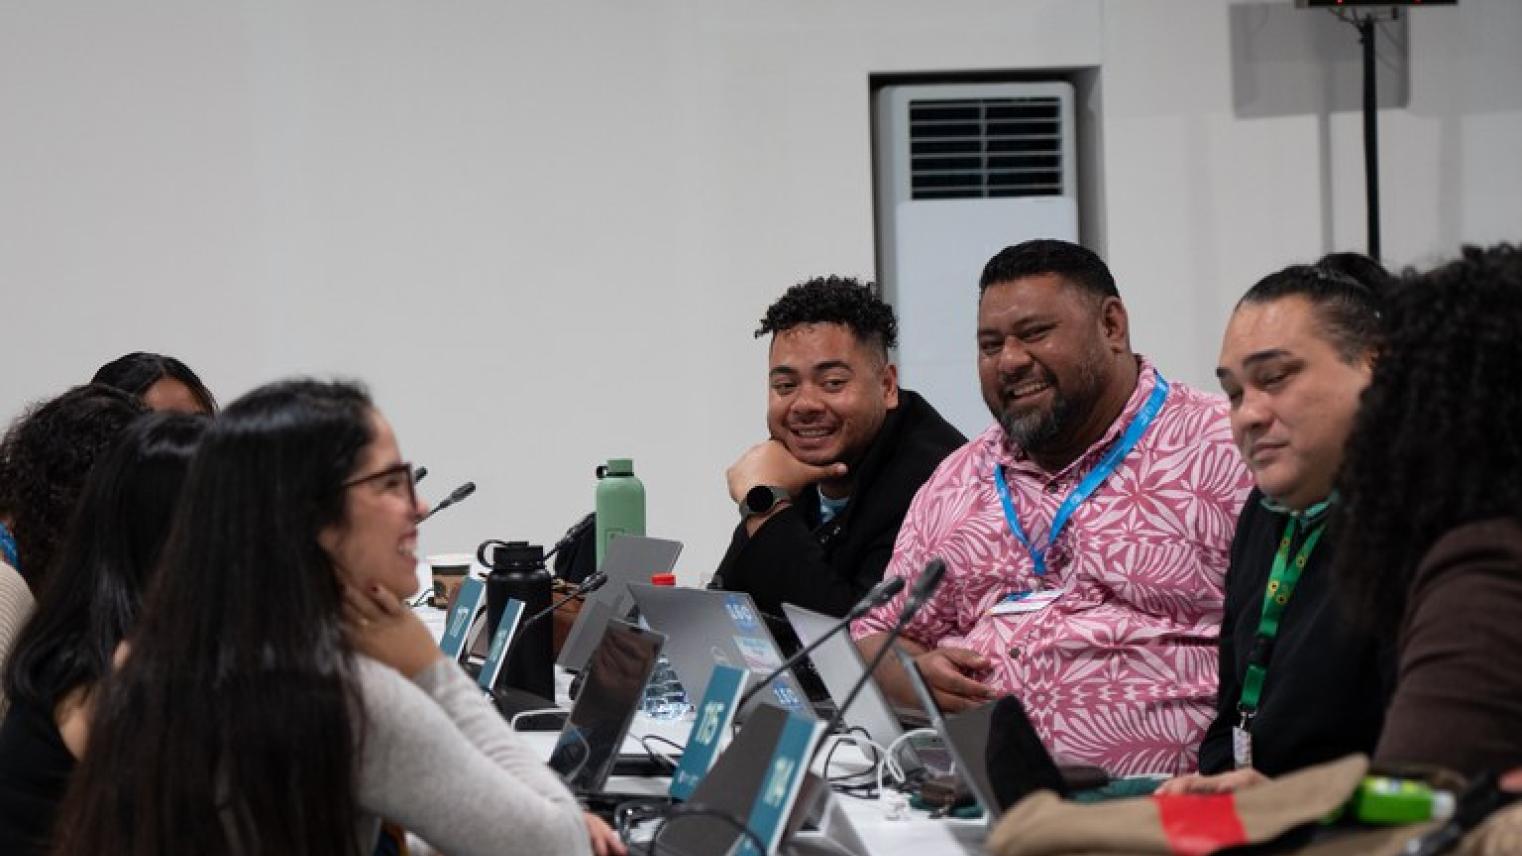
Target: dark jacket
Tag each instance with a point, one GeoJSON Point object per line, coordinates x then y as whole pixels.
{"type": "Point", "coordinates": [1327, 684]}
{"type": "Point", "coordinates": [1458, 698]}
{"type": "Point", "coordinates": [827, 568]}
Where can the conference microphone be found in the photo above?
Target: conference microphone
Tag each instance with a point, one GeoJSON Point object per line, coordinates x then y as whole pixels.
{"type": "Point", "coordinates": [592, 583]}
{"type": "Point", "coordinates": [457, 495]}
{"type": "Point", "coordinates": [876, 596]}
{"type": "Point", "coordinates": [573, 533]}
{"type": "Point", "coordinates": [924, 586]}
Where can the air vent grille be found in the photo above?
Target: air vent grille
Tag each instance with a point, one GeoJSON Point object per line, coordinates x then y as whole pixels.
{"type": "Point", "coordinates": [985, 147]}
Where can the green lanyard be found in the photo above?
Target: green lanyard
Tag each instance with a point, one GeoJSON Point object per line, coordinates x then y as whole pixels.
{"type": "Point", "coordinates": [1282, 580]}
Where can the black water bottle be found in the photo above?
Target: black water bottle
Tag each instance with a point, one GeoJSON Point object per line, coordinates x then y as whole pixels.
{"type": "Point", "coordinates": [517, 571]}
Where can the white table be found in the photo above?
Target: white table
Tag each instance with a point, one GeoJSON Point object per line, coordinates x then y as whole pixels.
{"type": "Point", "coordinates": [919, 834]}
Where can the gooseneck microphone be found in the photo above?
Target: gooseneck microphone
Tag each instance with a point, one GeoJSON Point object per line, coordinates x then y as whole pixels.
{"type": "Point", "coordinates": [457, 495]}
{"type": "Point", "coordinates": [573, 533]}
{"type": "Point", "coordinates": [924, 586]}
{"type": "Point", "coordinates": [876, 596]}
{"type": "Point", "coordinates": [592, 583]}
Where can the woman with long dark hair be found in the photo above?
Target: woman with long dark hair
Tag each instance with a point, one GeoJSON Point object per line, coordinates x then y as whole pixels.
{"type": "Point", "coordinates": [86, 608]}
{"type": "Point", "coordinates": [277, 697]}
{"type": "Point", "coordinates": [161, 381]}
{"type": "Point", "coordinates": [1431, 513]}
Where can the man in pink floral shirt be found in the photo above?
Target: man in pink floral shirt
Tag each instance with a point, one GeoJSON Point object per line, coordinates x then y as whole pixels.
{"type": "Point", "coordinates": [1107, 631]}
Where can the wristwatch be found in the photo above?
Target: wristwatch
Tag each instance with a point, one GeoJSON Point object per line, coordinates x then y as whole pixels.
{"type": "Point", "coordinates": [761, 499]}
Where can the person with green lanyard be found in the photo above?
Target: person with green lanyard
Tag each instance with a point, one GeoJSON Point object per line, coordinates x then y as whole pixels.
{"type": "Point", "coordinates": [1298, 684]}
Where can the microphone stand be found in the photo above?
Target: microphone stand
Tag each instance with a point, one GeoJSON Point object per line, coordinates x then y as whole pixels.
{"type": "Point", "coordinates": [929, 579]}
{"type": "Point", "coordinates": [572, 534]}
{"type": "Point", "coordinates": [588, 585]}
{"type": "Point", "coordinates": [880, 594]}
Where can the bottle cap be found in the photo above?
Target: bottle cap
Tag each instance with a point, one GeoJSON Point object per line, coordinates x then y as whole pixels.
{"type": "Point", "coordinates": [663, 579]}
{"type": "Point", "coordinates": [517, 556]}
{"type": "Point", "coordinates": [620, 467]}
{"type": "Point", "coordinates": [1443, 805]}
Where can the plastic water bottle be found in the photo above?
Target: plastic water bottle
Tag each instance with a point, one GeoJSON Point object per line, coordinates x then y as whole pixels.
{"type": "Point", "coordinates": [620, 503]}
{"type": "Point", "coordinates": [665, 697]}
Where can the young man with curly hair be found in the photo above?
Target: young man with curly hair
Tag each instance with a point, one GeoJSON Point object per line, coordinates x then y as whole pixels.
{"type": "Point", "coordinates": [821, 499]}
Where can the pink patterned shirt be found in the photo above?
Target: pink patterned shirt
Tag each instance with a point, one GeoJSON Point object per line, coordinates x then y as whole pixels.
{"type": "Point", "coordinates": [1120, 670]}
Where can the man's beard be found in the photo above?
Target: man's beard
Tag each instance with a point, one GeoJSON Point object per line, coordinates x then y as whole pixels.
{"type": "Point", "coordinates": [1034, 430]}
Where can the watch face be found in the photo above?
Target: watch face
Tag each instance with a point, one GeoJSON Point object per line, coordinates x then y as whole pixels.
{"type": "Point", "coordinates": [761, 499]}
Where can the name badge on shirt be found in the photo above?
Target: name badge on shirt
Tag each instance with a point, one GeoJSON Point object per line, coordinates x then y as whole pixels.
{"type": "Point", "coordinates": [1241, 747]}
{"type": "Point", "coordinates": [1020, 602]}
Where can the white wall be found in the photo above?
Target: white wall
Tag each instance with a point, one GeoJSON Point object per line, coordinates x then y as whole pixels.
{"type": "Point", "coordinates": [1201, 203]}
{"type": "Point", "coordinates": [544, 233]}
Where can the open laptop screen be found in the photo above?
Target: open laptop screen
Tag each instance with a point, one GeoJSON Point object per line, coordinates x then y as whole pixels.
{"type": "Point", "coordinates": [630, 559]}
{"type": "Point", "coordinates": [617, 672]}
{"type": "Point", "coordinates": [708, 627]}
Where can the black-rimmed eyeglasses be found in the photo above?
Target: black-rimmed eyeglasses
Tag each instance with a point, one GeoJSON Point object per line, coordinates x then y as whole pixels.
{"type": "Point", "coordinates": [395, 478]}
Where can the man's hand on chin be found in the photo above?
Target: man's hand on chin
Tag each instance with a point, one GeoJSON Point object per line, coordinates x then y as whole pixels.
{"type": "Point", "coordinates": [770, 463]}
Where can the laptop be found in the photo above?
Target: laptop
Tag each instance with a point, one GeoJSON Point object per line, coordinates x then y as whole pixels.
{"type": "Point", "coordinates": [617, 672]}
{"type": "Point", "coordinates": [839, 664]}
{"type": "Point", "coordinates": [630, 559]}
{"type": "Point", "coordinates": [707, 627]}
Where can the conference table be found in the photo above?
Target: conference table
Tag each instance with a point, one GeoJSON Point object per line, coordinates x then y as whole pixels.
{"type": "Point", "coordinates": [918, 833]}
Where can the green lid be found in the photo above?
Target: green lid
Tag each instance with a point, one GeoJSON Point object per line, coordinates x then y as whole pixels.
{"type": "Point", "coordinates": [620, 466]}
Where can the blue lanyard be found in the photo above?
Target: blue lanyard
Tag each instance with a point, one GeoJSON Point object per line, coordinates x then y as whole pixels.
{"type": "Point", "coordinates": [8, 550]}
{"type": "Point", "coordinates": [1090, 483]}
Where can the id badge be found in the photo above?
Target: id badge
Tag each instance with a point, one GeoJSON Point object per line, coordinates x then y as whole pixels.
{"type": "Point", "coordinates": [1021, 602]}
{"type": "Point", "coordinates": [1241, 747]}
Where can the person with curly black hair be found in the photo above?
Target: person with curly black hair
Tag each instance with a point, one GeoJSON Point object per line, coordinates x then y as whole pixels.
{"type": "Point", "coordinates": [1430, 515]}
{"type": "Point", "coordinates": [822, 498]}
{"type": "Point", "coordinates": [44, 459]}
{"type": "Point", "coordinates": [161, 381]}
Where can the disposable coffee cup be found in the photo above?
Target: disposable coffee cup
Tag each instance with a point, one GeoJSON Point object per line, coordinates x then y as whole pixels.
{"type": "Point", "coordinates": [449, 571]}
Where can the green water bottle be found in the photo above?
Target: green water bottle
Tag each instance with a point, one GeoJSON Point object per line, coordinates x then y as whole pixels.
{"type": "Point", "coordinates": [620, 503]}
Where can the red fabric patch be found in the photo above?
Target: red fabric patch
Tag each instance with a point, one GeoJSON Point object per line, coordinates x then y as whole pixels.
{"type": "Point", "coordinates": [1197, 824]}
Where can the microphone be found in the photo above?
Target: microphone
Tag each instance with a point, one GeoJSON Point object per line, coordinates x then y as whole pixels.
{"type": "Point", "coordinates": [876, 596]}
{"type": "Point", "coordinates": [419, 474]}
{"type": "Point", "coordinates": [1479, 800]}
{"type": "Point", "coordinates": [592, 583]}
{"type": "Point", "coordinates": [924, 586]}
{"type": "Point", "coordinates": [573, 533]}
{"type": "Point", "coordinates": [459, 494]}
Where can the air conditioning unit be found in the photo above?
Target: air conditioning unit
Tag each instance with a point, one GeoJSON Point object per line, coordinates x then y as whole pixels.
{"type": "Point", "coordinates": [964, 170]}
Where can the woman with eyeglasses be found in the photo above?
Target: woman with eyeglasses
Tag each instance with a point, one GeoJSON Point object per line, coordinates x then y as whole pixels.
{"type": "Point", "coordinates": [277, 698]}
{"type": "Point", "coordinates": [87, 606]}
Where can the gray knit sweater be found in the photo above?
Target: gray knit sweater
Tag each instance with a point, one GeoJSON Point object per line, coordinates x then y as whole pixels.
{"type": "Point", "coordinates": [438, 759]}
{"type": "Point", "coordinates": [16, 606]}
